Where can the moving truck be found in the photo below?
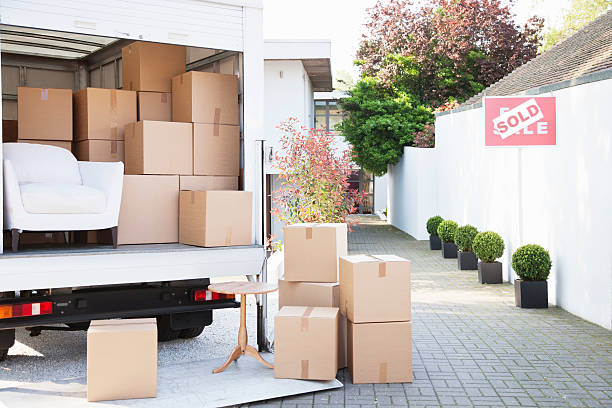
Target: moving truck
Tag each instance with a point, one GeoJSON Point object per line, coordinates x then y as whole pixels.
{"type": "Point", "coordinates": [74, 45]}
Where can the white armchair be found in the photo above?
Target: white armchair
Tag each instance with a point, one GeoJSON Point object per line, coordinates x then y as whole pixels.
{"type": "Point", "coordinates": [47, 189]}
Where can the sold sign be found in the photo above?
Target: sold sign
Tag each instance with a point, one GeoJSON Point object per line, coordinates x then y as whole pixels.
{"type": "Point", "coordinates": [520, 121]}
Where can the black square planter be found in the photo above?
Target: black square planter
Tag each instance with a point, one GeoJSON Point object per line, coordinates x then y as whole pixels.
{"type": "Point", "coordinates": [434, 242]}
{"type": "Point", "coordinates": [531, 294]}
{"type": "Point", "coordinates": [467, 261]}
{"type": "Point", "coordinates": [490, 272]}
{"type": "Point", "coordinates": [449, 250]}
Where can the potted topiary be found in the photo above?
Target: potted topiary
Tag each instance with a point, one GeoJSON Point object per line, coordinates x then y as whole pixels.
{"type": "Point", "coordinates": [532, 264]}
{"type": "Point", "coordinates": [488, 246]}
{"type": "Point", "coordinates": [464, 236]}
{"type": "Point", "coordinates": [432, 228]}
{"type": "Point", "coordinates": [446, 232]}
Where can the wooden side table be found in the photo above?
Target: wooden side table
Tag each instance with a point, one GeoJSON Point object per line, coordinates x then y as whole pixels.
{"type": "Point", "coordinates": [242, 289]}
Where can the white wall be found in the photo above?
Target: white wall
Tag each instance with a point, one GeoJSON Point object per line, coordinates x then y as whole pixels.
{"type": "Point", "coordinates": [556, 196]}
{"type": "Point", "coordinates": [380, 193]}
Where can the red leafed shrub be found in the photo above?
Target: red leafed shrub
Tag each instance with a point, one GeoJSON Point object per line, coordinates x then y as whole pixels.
{"type": "Point", "coordinates": [314, 177]}
{"type": "Point", "coordinates": [426, 137]}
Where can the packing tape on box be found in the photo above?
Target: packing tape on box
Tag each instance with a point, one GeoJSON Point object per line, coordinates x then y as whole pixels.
{"type": "Point", "coordinates": [304, 319]}
{"type": "Point", "coordinates": [308, 232]}
{"type": "Point", "coordinates": [192, 196]}
{"type": "Point", "coordinates": [114, 134]}
{"type": "Point", "coordinates": [216, 121]}
{"type": "Point", "coordinates": [113, 147]}
{"type": "Point", "coordinates": [44, 94]}
{"type": "Point", "coordinates": [305, 368]}
{"type": "Point", "coordinates": [382, 266]}
{"type": "Point", "coordinates": [113, 115]}
{"type": "Point", "coordinates": [164, 98]}
{"type": "Point", "coordinates": [228, 236]}
{"type": "Point", "coordinates": [382, 372]}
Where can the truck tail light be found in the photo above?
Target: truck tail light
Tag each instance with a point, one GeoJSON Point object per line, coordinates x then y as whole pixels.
{"type": "Point", "coordinates": [202, 295]}
{"type": "Point", "coordinates": [25, 310]}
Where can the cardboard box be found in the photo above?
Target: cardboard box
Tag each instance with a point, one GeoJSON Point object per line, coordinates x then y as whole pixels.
{"type": "Point", "coordinates": [215, 218]}
{"type": "Point", "coordinates": [316, 294]}
{"type": "Point", "coordinates": [306, 343]}
{"type": "Point", "coordinates": [155, 106]}
{"type": "Point", "coordinates": [149, 210]}
{"type": "Point", "coordinates": [153, 147]}
{"type": "Point", "coordinates": [205, 183]}
{"type": "Point", "coordinates": [380, 353]}
{"type": "Point", "coordinates": [311, 251]}
{"type": "Point", "coordinates": [102, 114]}
{"type": "Point", "coordinates": [150, 67]}
{"type": "Point", "coordinates": [375, 288]}
{"type": "Point", "coordinates": [9, 131]}
{"type": "Point", "coordinates": [59, 143]}
{"type": "Point", "coordinates": [121, 359]}
{"type": "Point", "coordinates": [44, 113]}
{"type": "Point", "coordinates": [216, 150]}
{"type": "Point", "coordinates": [205, 97]}
{"type": "Point", "coordinates": [100, 150]}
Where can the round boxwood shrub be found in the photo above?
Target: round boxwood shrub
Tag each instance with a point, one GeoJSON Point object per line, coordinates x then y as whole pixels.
{"type": "Point", "coordinates": [488, 246]}
{"type": "Point", "coordinates": [446, 230]}
{"type": "Point", "coordinates": [531, 262]}
{"type": "Point", "coordinates": [432, 224]}
{"type": "Point", "coordinates": [464, 236]}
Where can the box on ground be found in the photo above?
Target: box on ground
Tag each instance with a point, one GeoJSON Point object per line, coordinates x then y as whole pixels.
{"type": "Point", "coordinates": [149, 66]}
{"type": "Point", "coordinates": [311, 251]}
{"type": "Point", "coordinates": [9, 131]}
{"type": "Point", "coordinates": [59, 143]}
{"type": "Point", "coordinates": [121, 359]}
{"type": "Point", "coordinates": [375, 288]}
{"type": "Point", "coordinates": [103, 113]}
{"type": "Point", "coordinates": [154, 147]}
{"type": "Point", "coordinates": [205, 183]}
{"type": "Point", "coordinates": [216, 150]}
{"type": "Point", "coordinates": [100, 150]}
{"type": "Point", "coordinates": [380, 352]}
{"type": "Point", "coordinates": [306, 343]}
{"type": "Point", "coordinates": [155, 106]}
{"type": "Point", "coordinates": [44, 113]}
{"type": "Point", "coordinates": [215, 218]}
{"type": "Point", "coordinates": [316, 294]}
{"type": "Point", "coordinates": [205, 97]}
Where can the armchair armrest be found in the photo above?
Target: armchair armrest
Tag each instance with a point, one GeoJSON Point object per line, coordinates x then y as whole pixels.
{"type": "Point", "coordinates": [13, 206]}
{"type": "Point", "coordinates": [106, 177]}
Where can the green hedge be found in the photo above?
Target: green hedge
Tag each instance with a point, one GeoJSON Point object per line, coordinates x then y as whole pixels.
{"type": "Point", "coordinates": [464, 236]}
{"type": "Point", "coordinates": [432, 224]}
{"type": "Point", "coordinates": [488, 246]}
{"type": "Point", "coordinates": [446, 230]}
{"type": "Point", "coordinates": [531, 262]}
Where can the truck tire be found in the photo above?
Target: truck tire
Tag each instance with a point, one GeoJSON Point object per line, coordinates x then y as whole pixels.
{"type": "Point", "coordinates": [191, 333]}
{"type": "Point", "coordinates": [3, 354]}
{"type": "Point", "coordinates": [164, 331]}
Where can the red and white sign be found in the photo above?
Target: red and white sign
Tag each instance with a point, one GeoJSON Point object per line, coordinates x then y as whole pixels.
{"type": "Point", "coordinates": [520, 121]}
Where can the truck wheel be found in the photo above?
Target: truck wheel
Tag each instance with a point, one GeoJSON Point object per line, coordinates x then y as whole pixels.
{"type": "Point", "coordinates": [191, 333]}
{"type": "Point", "coordinates": [3, 354]}
{"type": "Point", "coordinates": [164, 331]}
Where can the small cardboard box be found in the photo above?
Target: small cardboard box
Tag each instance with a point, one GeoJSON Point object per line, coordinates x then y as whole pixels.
{"type": "Point", "coordinates": [205, 183]}
{"type": "Point", "coordinates": [155, 106]}
{"type": "Point", "coordinates": [149, 210]}
{"type": "Point", "coordinates": [205, 97]}
{"type": "Point", "coordinates": [380, 353]}
{"type": "Point", "coordinates": [100, 150]}
{"type": "Point", "coordinates": [102, 114]}
{"type": "Point", "coordinates": [59, 143]}
{"type": "Point", "coordinates": [311, 251]}
{"type": "Point", "coordinates": [375, 288]}
{"type": "Point", "coordinates": [216, 150]}
{"type": "Point", "coordinates": [153, 147]}
{"type": "Point", "coordinates": [44, 113]}
{"type": "Point", "coordinates": [306, 343]}
{"type": "Point", "coordinates": [215, 218]}
{"type": "Point", "coordinates": [121, 359]}
{"type": "Point", "coordinates": [316, 294]}
{"type": "Point", "coordinates": [9, 131]}
{"type": "Point", "coordinates": [150, 67]}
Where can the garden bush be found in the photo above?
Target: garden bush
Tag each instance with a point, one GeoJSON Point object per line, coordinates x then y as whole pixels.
{"type": "Point", "coordinates": [446, 230]}
{"type": "Point", "coordinates": [432, 224]}
{"type": "Point", "coordinates": [488, 246]}
{"type": "Point", "coordinates": [531, 262]}
{"type": "Point", "coordinates": [464, 236]}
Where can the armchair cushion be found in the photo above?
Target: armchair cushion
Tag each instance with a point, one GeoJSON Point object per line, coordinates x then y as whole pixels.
{"type": "Point", "coordinates": [58, 198]}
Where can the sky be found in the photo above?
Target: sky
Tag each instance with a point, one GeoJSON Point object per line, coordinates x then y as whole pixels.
{"type": "Point", "coordinates": [341, 21]}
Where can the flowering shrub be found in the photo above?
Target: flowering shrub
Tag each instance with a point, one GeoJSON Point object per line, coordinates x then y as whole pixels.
{"type": "Point", "coordinates": [314, 177]}
{"type": "Point", "coordinates": [426, 137]}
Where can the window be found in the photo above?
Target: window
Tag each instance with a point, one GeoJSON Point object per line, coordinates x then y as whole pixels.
{"type": "Point", "coordinates": [328, 114]}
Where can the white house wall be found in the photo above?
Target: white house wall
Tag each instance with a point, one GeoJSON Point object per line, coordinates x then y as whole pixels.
{"type": "Point", "coordinates": [555, 196]}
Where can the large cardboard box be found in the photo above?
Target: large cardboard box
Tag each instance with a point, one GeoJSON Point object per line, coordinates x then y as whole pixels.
{"type": "Point", "coordinates": [150, 67]}
{"type": "Point", "coordinates": [316, 294]}
{"type": "Point", "coordinates": [375, 288]}
{"type": "Point", "coordinates": [9, 131]}
{"type": "Point", "coordinates": [149, 210]}
{"type": "Point", "coordinates": [153, 147]}
{"type": "Point", "coordinates": [155, 106]}
{"type": "Point", "coordinates": [205, 97]}
{"type": "Point", "coordinates": [215, 218]}
{"type": "Point", "coordinates": [58, 143]}
{"type": "Point", "coordinates": [100, 150]}
{"type": "Point", "coordinates": [205, 183]}
{"type": "Point", "coordinates": [216, 150]}
{"type": "Point", "coordinates": [306, 343]}
{"type": "Point", "coordinates": [44, 113]}
{"type": "Point", "coordinates": [121, 359]}
{"type": "Point", "coordinates": [380, 352]}
{"type": "Point", "coordinates": [102, 114]}
{"type": "Point", "coordinates": [311, 251]}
